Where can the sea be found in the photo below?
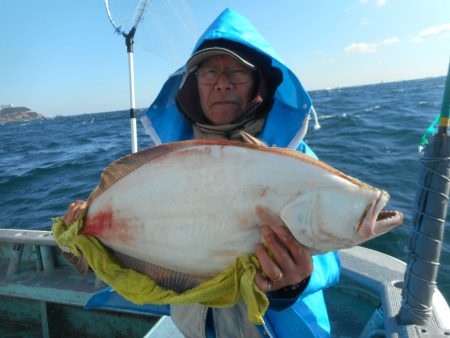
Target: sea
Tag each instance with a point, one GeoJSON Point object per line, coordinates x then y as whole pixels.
{"type": "Point", "coordinates": [370, 132]}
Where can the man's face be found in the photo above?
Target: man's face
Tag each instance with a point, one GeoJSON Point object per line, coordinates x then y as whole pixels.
{"type": "Point", "coordinates": [223, 102]}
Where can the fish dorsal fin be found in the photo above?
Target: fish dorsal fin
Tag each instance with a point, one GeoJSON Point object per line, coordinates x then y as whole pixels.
{"type": "Point", "coordinates": [127, 164]}
{"type": "Point", "coordinates": [250, 139]}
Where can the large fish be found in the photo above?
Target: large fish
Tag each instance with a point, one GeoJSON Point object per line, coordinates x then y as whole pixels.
{"type": "Point", "coordinates": [182, 212]}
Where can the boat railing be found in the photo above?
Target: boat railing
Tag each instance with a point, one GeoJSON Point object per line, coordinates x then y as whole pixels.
{"type": "Point", "coordinates": [37, 237]}
{"type": "Point", "coordinates": [42, 242]}
{"type": "Point", "coordinates": [43, 250]}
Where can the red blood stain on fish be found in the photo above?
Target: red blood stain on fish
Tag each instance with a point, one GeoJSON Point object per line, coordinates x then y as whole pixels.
{"type": "Point", "coordinates": [98, 223]}
{"type": "Point", "coordinates": [107, 225]}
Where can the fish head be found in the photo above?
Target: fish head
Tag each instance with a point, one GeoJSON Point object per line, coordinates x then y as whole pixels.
{"type": "Point", "coordinates": [376, 221]}
{"type": "Point", "coordinates": [330, 219]}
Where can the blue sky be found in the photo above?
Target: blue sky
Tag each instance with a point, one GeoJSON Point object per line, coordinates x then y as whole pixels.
{"type": "Point", "coordinates": [61, 57]}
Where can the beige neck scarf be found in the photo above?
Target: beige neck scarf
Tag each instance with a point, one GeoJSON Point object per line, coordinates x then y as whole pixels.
{"type": "Point", "coordinates": [243, 132]}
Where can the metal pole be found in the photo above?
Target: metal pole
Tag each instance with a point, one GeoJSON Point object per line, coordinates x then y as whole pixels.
{"type": "Point", "coordinates": [129, 40]}
{"type": "Point", "coordinates": [429, 222]}
{"type": "Point", "coordinates": [134, 146]}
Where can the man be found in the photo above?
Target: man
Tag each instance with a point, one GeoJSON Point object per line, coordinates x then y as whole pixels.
{"type": "Point", "coordinates": [234, 87]}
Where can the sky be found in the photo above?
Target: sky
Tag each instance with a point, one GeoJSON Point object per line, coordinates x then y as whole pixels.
{"type": "Point", "coordinates": [62, 57]}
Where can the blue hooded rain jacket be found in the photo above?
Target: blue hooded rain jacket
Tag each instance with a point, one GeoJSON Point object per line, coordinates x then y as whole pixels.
{"type": "Point", "coordinates": [285, 126]}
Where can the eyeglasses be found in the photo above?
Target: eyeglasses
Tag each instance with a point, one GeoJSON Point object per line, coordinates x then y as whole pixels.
{"type": "Point", "coordinates": [210, 76]}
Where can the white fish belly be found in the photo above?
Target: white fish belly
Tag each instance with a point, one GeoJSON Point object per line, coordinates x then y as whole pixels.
{"type": "Point", "coordinates": [194, 210]}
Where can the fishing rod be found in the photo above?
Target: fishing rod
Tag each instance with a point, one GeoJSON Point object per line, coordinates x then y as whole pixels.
{"type": "Point", "coordinates": [129, 41]}
{"type": "Point", "coordinates": [428, 221]}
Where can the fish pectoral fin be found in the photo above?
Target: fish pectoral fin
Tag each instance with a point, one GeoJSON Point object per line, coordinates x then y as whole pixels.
{"type": "Point", "coordinates": [268, 217]}
{"type": "Point", "coordinates": [79, 262]}
{"type": "Point", "coordinates": [299, 218]}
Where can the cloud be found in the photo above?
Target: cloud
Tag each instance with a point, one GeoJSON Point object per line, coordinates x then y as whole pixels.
{"type": "Point", "coordinates": [377, 2]}
{"type": "Point", "coordinates": [361, 47]}
{"type": "Point", "coordinates": [366, 48]}
{"type": "Point", "coordinates": [390, 41]}
{"type": "Point", "coordinates": [435, 31]}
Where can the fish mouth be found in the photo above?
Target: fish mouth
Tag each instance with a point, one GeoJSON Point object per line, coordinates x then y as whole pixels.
{"type": "Point", "coordinates": [376, 221]}
{"type": "Point", "coordinates": [388, 219]}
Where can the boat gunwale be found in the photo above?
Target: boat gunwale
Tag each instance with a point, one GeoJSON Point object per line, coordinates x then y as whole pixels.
{"type": "Point", "coordinates": [22, 236]}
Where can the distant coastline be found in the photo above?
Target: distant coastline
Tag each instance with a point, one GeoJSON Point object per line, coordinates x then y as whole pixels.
{"type": "Point", "coordinates": [9, 113]}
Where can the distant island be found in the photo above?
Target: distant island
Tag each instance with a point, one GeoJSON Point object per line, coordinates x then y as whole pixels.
{"type": "Point", "coordinates": [9, 113]}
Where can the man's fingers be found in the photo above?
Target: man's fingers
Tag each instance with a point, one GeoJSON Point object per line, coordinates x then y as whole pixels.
{"type": "Point", "coordinates": [268, 266]}
{"type": "Point", "coordinates": [74, 211]}
{"type": "Point", "coordinates": [263, 283]}
{"type": "Point", "coordinates": [289, 261]}
{"type": "Point", "coordinates": [77, 214]}
{"type": "Point", "coordinates": [298, 252]}
{"type": "Point", "coordinates": [279, 250]}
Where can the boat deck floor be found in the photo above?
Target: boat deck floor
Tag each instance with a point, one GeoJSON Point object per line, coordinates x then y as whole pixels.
{"type": "Point", "coordinates": [37, 302]}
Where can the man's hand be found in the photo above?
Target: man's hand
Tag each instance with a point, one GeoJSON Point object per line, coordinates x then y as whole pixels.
{"type": "Point", "coordinates": [290, 262]}
{"type": "Point", "coordinates": [74, 211]}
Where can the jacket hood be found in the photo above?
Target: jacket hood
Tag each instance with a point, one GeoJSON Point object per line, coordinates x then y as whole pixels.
{"type": "Point", "coordinates": [289, 110]}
